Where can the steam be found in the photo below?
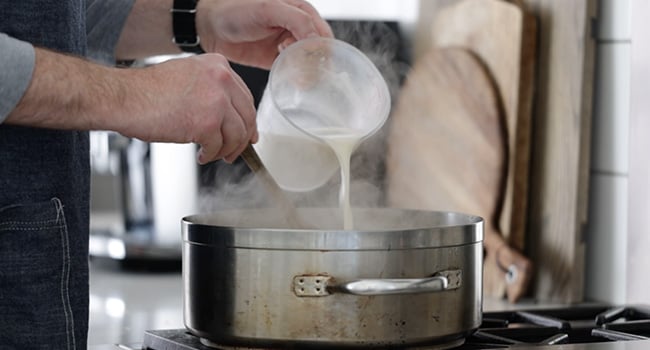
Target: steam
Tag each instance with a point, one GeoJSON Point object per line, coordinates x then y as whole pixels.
{"type": "Point", "coordinates": [383, 46]}
{"type": "Point", "coordinates": [229, 186]}
{"type": "Point", "coordinates": [234, 187]}
{"type": "Point", "coordinates": [388, 51]}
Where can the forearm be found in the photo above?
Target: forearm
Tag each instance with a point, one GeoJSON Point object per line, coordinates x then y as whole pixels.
{"type": "Point", "coordinates": [198, 99]}
{"type": "Point", "coordinates": [67, 92]}
{"type": "Point", "coordinates": [147, 31]}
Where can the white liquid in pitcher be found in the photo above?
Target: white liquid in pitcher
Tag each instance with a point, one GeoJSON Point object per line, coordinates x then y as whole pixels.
{"type": "Point", "coordinates": [298, 163]}
{"type": "Point", "coordinates": [343, 142]}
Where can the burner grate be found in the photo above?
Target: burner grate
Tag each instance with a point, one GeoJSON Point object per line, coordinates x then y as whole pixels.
{"type": "Point", "coordinates": [571, 325]}
{"type": "Point", "coordinates": [502, 330]}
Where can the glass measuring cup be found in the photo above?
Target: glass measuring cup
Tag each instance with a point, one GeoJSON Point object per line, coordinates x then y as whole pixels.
{"type": "Point", "coordinates": [317, 86]}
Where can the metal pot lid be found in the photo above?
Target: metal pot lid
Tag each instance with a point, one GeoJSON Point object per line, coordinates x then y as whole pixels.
{"type": "Point", "coordinates": [374, 229]}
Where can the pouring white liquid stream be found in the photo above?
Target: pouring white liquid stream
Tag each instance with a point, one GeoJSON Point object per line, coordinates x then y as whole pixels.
{"type": "Point", "coordinates": [325, 89]}
{"type": "Point", "coordinates": [302, 162]}
{"type": "Point", "coordinates": [343, 142]}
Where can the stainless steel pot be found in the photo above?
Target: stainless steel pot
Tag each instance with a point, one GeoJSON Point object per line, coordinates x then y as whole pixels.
{"type": "Point", "coordinates": [401, 278]}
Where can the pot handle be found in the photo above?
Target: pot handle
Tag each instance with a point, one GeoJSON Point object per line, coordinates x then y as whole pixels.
{"type": "Point", "coordinates": [322, 285]}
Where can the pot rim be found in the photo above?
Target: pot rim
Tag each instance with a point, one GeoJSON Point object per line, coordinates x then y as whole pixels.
{"type": "Point", "coordinates": [424, 229]}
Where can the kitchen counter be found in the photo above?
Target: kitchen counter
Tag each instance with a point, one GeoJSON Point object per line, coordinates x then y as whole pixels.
{"type": "Point", "coordinates": [124, 302]}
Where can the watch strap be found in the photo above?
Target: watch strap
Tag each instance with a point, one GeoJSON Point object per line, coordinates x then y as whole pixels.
{"type": "Point", "coordinates": [184, 26]}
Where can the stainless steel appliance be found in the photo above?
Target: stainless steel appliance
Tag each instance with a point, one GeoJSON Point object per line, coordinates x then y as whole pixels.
{"type": "Point", "coordinates": [139, 193]}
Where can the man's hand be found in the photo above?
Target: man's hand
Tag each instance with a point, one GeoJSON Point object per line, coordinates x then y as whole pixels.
{"type": "Point", "coordinates": [252, 32]}
{"type": "Point", "coordinates": [198, 99]}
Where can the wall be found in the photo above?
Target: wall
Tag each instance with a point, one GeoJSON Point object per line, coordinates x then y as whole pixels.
{"type": "Point", "coordinates": [608, 223]}
{"type": "Point", "coordinates": [404, 10]}
{"type": "Point", "coordinates": [638, 244]}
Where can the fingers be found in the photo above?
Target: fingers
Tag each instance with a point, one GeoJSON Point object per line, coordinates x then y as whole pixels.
{"type": "Point", "coordinates": [209, 148]}
{"type": "Point", "coordinates": [244, 88]}
{"type": "Point", "coordinates": [230, 124]}
{"type": "Point", "coordinates": [226, 143]}
{"type": "Point", "coordinates": [235, 138]}
{"type": "Point", "coordinates": [285, 40]}
{"type": "Point", "coordinates": [244, 104]}
{"type": "Point", "coordinates": [322, 27]}
{"type": "Point", "coordinates": [238, 132]}
{"type": "Point", "coordinates": [291, 17]}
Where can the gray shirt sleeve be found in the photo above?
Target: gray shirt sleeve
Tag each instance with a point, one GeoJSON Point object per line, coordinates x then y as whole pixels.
{"type": "Point", "coordinates": [104, 22]}
{"type": "Point", "coordinates": [17, 59]}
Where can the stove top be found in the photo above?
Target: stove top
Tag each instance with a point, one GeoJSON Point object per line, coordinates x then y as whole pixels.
{"type": "Point", "coordinates": [572, 327]}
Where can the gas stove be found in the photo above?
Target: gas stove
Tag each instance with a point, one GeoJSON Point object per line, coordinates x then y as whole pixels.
{"type": "Point", "coordinates": [572, 327]}
{"type": "Point", "coordinates": [592, 327]}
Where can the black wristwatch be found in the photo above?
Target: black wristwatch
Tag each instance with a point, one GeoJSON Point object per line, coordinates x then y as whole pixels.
{"type": "Point", "coordinates": [184, 25]}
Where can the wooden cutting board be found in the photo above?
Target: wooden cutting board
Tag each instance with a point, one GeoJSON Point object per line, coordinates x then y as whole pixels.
{"type": "Point", "coordinates": [560, 126]}
{"type": "Point", "coordinates": [447, 140]}
{"type": "Point", "coordinates": [503, 37]}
